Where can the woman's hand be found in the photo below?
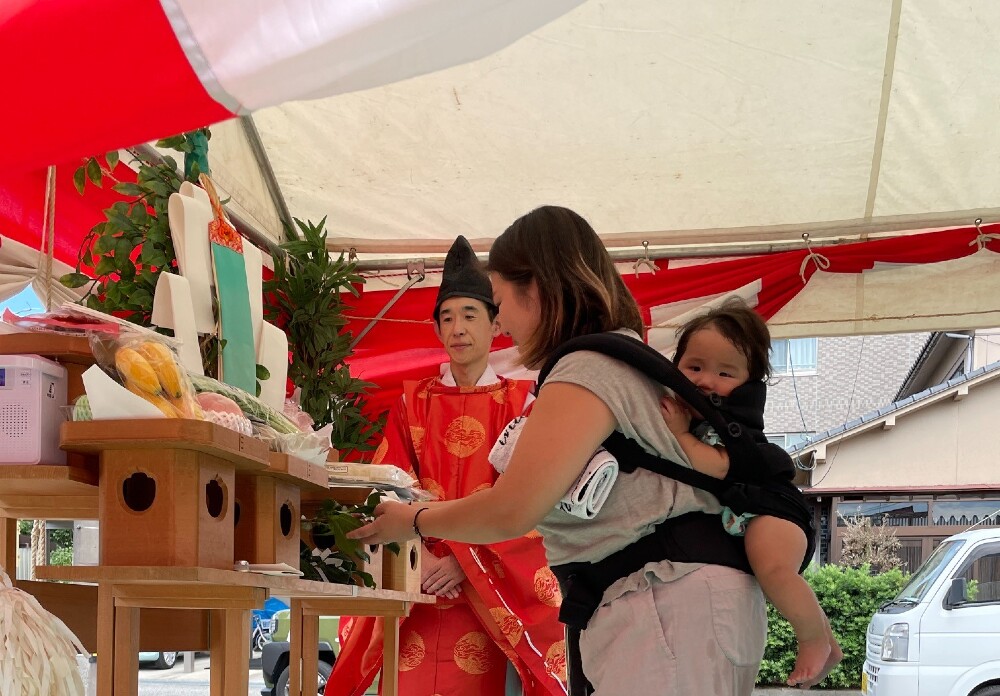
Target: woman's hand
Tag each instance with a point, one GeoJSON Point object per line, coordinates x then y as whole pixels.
{"type": "Point", "coordinates": [393, 522]}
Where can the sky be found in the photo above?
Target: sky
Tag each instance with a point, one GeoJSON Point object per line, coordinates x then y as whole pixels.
{"type": "Point", "coordinates": [25, 302]}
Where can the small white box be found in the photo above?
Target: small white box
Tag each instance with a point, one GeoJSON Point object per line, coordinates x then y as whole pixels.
{"type": "Point", "coordinates": [32, 396]}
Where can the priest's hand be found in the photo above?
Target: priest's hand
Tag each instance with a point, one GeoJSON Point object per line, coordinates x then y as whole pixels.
{"type": "Point", "coordinates": [393, 522]}
{"type": "Point", "coordinates": [442, 576]}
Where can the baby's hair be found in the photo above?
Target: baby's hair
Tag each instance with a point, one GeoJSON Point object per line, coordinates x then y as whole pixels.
{"type": "Point", "coordinates": [742, 327]}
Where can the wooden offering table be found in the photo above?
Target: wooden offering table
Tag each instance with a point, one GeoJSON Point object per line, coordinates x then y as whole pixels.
{"type": "Point", "coordinates": [229, 597]}
{"type": "Point", "coordinates": [168, 507]}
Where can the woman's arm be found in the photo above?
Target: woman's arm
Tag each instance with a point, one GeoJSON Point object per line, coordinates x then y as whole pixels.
{"type": "Point", "coordinates": [567, 425]}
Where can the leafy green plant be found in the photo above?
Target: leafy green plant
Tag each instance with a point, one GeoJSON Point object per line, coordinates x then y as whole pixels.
{"type": "Point", "coordinates": [849, 596]}
{"type": "Point", "coordinates": [122, 280]}
{"type": "Point", "coordinates": [328, 530]}
{"type": "Point", "coordinates": [304, 299]}
{"type": "Point", "coordinates": [62, 556]}
{"type": "Point", "coordinates": [61, 537]}
{"type": "Point", "coordinates": [324, 565]}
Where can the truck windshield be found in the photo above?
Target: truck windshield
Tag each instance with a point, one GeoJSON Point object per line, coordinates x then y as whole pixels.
{"type": "Point", "coordinates": [925, 576]}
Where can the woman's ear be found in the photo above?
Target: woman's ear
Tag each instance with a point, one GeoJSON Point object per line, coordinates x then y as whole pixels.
{"type": "Point", "coordinates": [496, 327]}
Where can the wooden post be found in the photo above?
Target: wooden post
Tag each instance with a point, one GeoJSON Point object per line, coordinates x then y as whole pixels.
{"type": "Point", "coordinates": [126, 651]}
{"type": "Point", "coordinates": [105, 640]}
{"type": "Point", "coordinates": [310, 651]}
{"type": "Point", "coordinates": [390, 657]}
{"type": "Point", "coordinates": [237, 651]}
{"type": "Point", "coordinates": [296, 638]}
{"type": "Point", "coordinates": [8, 546]}
{"type": "Point", "coordinates": [217, 650]}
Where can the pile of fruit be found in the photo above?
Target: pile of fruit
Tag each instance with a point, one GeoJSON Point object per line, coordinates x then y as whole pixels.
{"type": "Point", "coordinates": [149, 369]}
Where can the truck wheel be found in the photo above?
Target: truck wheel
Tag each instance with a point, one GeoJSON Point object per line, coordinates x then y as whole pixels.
{"type": "Point", "coordinates": [165, 660]}
{"type": "Point", "coordinates": [281, 686]}
{"type": "Point", "coordinates": [991, 690]}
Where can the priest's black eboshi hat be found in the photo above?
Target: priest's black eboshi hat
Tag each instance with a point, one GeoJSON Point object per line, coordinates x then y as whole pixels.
{"type": "Point", "coordinates": [463, 276]}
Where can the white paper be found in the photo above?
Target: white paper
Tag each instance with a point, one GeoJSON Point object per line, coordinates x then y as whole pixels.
{"type": "Point", "coordinates": [267, 568]}
{"type": "Point", "coordinates": [110, 400]}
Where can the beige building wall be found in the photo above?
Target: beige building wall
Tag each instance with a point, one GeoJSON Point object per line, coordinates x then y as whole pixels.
{"type": "Point", "coordinates": [947, 443]}
{"type": "Point", "coordinates": [986, 347]}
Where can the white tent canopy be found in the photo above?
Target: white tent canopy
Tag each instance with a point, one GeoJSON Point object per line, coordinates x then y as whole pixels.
{"type": "Point", "coordinates": [681, 123]}
{"type": "Point", "coordinates": [706, 129]}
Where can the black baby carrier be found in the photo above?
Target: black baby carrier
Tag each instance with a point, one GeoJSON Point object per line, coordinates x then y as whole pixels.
{"type": "Point", "coordinates": [759, 482]}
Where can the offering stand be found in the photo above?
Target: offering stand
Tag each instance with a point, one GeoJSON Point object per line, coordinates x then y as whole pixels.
{"type": "Point", "coordinates": [165, 491]}
{"type": "Point", "coordinates": [157, 537]}
{"type": "Point", "coordinates": [229, 597]}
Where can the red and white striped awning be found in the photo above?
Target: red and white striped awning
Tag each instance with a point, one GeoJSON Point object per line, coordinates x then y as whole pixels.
{"type": "Point", "coordinates": [86, 76]}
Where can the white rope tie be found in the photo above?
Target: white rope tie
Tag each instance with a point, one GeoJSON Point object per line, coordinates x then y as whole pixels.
{"type": "Point", "coordinates": [645, 261]}
{"type": "Point", "coordinates": [822, 263]}
{"type": "Point", "coordinates": [47, 248]}
{"type": "Point", "coordinates": [983, 237]}
{"type": "Point", "coordinates": [38, 544]}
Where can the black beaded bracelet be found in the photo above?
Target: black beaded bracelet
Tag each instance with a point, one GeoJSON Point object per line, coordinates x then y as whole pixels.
{"type": "Point", "coordinates": [415, 527]}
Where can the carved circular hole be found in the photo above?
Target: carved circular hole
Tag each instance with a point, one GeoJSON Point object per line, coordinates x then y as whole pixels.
{"type": "Point", "coordinates": [413, 558]}
{"type": "Point", "coordinates": [372, 548]}
{"type": "Point", "coordinates": [285, 515]}
{"type": "Point", "coordinates": [215, 497]}
{"type": "Point", "coordinates": [236, 513]}
{"type": "Point", "coordinates": [138, 492]}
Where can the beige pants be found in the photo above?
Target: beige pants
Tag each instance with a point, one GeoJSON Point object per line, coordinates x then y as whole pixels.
{"type": "Point", "coordinates": [700, 635]}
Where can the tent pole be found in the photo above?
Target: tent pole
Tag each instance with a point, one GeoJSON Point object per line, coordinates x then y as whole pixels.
{"type": "Point", "coordinates": [270, 181]}
{"type": "Point", "coordinates": [733, 241]}
{"type": "Point", "coordinates": [414, 278]}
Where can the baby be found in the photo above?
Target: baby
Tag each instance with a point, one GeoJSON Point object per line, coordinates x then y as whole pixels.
{"type": "Point", "coordinates": [718, 352]}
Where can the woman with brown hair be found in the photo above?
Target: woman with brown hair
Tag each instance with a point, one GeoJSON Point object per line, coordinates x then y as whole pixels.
{"type": "Point", "coordinates": [674, 625]}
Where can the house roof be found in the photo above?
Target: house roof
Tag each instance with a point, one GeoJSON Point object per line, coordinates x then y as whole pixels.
{"type": "Point", "coordinates": [957, 387]}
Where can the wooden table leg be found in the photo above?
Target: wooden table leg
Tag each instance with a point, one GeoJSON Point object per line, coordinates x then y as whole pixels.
{"type": "Point", "coordinates": [8, 546]}
{"type": "Point", "coordinates": [295, 638]}
{"type": "Point", "coordinates": [126, 654]}
{"type": "Point", "coordinates": [237, 651]}
{"type": "Point", "coordinates": [217, 650]}
{"type": "Point", "coordinates": [105, 640]}
{"type": "Point", "coordinates": [310, 652]}
{"type": "Point", "coordinates": [390, 657]}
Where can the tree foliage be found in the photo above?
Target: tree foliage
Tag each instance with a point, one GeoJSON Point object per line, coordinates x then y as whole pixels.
{"type": "Point", "coordinates": [850, 597]}
{"type": "Point", "coordinates": [874, 545]}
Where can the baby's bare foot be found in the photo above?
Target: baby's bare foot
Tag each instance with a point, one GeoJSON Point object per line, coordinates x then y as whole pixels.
{"type": "Point", "coordinates": [832, 660]}
{"type": "Point", "coordinates": [810, 661]}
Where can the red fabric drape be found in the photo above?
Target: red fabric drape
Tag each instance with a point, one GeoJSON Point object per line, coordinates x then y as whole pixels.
{"type": "Point", "coordinates": [22, 205]}
{"type": "Point", "coordinates": [79, 94]}
{"type": "Point", "coordinates": [403, 346]}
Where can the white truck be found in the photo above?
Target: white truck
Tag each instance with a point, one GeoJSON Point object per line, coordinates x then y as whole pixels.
{"type": "Point", "coordinates": [941, 635]}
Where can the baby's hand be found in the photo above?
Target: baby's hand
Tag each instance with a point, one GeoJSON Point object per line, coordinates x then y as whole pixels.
{"type": "Point", "coordinates": [675, 415]}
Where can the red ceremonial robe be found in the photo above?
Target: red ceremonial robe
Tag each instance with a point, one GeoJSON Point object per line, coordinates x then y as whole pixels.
{"type": "Point", "coordinates": [508, 607]}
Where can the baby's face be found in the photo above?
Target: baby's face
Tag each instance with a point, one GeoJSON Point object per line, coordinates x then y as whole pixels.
{"type": "Point", "coordinates": [712, 363]}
